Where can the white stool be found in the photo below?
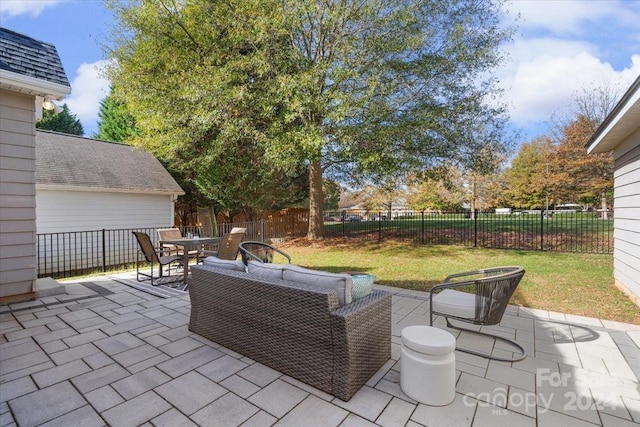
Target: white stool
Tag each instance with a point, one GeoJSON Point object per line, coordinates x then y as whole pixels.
{"type": "Point", "coordinates": [428, 365]}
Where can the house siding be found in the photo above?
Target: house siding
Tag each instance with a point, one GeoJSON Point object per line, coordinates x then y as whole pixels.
{"type": "Point", "coordinates": [79, 217]}
{"type": "Point", "coordinates": [626, 254]}
{"type": "Point", "coordinates": [17, 194]}
{"type": "Point", "coordinates": [63, 211]}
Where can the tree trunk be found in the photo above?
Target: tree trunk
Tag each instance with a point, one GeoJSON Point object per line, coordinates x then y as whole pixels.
{"type": "Point", "coordinates": [603, 205]}
{"type": "Point", "coordinates": [316, 201]}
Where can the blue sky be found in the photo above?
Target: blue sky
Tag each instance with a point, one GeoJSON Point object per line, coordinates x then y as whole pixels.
{"type": "Point", "coordinates": [559, 49]}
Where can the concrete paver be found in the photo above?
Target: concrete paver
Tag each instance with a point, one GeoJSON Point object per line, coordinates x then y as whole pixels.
{"type": "Point", "coordinates": [128, 358]}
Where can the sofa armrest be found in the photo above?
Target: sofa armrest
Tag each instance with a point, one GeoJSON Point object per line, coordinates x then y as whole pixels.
{"type": "Point", "coordinates": [362, 341]}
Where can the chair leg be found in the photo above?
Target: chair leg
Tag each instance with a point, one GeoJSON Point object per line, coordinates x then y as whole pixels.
{"type": "Point", "coordinates": [497, 337]}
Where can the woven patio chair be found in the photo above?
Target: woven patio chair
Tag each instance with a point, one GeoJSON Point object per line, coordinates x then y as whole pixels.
{"type": "Point", "coordinates": [478, 297]}
{"type": "Point", "coordinates": [261, 252]}
{"type": "Point", "coordinates": [174, 234]}
{"type": "Point", "coordinates": [154, 256]}
{"type": "Point", "coordinates": [229, 246]}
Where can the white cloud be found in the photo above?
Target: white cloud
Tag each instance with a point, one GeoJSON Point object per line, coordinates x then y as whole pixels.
{"type": "Point", "coordinates": [570, 16]}
{"type": "Point", "coordinates": [29, 7]}
{"type": "Point", "coordinates": [524, 50]}
{"type": "Point", "coordinates": [559, 50]}
{"type": "Point", "coordinates": [545, 84]}
{"type": "Point", "coordinates": [88, 88]}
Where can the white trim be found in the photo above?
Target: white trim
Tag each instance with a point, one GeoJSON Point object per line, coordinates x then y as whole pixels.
{"type": "Point", "coordinates": [56, 187]}
{"type": "Point", "coordinates": [31, 85]}
{"type": "Point", "coordinates": [606, 139]}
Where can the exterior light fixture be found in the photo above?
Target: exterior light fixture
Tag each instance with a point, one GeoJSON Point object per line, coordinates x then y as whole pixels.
{"type": "Point", "coordinates": [48, 104]}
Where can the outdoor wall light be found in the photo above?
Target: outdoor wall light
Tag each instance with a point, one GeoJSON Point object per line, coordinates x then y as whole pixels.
{"type": "Point", "coordinates": [48, 104]}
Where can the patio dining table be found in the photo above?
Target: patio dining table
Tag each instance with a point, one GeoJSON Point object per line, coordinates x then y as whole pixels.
{"type": "Point", "coordinates": [189, 244]}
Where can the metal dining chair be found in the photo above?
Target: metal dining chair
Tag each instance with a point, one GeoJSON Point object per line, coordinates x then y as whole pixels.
{"type": "Point", "coordinates": [261, 252]}
{"type": "Point", "coordinates": [154, 256]}
{"type": "Point", "coordinates": [229, 246]}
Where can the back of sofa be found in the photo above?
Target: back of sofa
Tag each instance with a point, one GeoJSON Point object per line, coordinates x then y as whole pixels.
{"type": "Point", "coordinates": [281, 324]}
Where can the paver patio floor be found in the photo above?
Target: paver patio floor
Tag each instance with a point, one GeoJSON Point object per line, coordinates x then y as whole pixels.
{"type": "Point", "coordinates": [107, 354]}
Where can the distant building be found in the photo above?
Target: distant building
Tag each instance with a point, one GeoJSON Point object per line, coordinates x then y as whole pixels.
{"type": "Point", "coordinates": [89, 184]}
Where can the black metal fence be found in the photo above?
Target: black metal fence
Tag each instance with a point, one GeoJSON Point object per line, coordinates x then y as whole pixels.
{"type": "Point", "coordinates": [74, 253]}
{"type": "Point", "coordinates": [84, 252]}
{"type": "Point", "coordinates": [559, 231]}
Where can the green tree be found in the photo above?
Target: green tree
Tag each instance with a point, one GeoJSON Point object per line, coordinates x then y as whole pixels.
{"type": "Point", "coordinates": [367, 89]}
{"type": "Point", "coordinates": [382, 197]}
{"type": "Point", "coordinates": [116, 123]}
{"type": "Point", "coordinates": [529, 182]}
{"type": "Point", "coordinates": [64, 121]}
{"type": "Point", "coordinates": [210, 117]}
{"type": "Point", "coordinates": [331, 193]}
{"type": "Point", "coordinates": [439, 189]}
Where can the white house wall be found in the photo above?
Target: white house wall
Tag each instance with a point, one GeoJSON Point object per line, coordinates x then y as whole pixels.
{"type": "Point", "coordinates": [63, 211]}
{"type": "Point", "coordinates": [626, 253]}
{"type": "Point", "coordinates": [70, 224]}
{"type": "Point", "coordinates": [17, 193]}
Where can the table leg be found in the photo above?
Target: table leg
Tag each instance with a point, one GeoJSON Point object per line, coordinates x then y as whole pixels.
{"type": "Point", "coordinates": [185, 264]}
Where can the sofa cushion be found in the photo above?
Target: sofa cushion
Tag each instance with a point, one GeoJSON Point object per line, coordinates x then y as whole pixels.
{"type": "Point", "coordinates": [271, 271]}
{"type": "Point", "coordinates": [341, 283]}
{"type": "Point", "coordinates": [236, 265]}
{"type": "Point", "coordinates": [455, 303]}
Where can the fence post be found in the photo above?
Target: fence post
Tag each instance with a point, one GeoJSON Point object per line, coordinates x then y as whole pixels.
{"type": "Point", "coordinates": [542, 213]}
{"type": "Point", "coordinates": [104, 251]}
{"type": "Point", "coordinates": [379, 226]}
{"type": "Point", "coordinates": [422, 227]}
{"type": "Point", "coordinates": [475, 228]}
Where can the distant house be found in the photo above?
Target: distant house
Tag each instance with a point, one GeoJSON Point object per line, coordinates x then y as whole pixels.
{"type": "Point", "coordinates": [88, 184]}
{"type": "Point", "coordinates": [30, 72]}
{"type": "Point", "coordinates": [620, 133]}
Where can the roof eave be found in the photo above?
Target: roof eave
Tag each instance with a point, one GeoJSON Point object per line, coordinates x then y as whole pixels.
{"type": "Point", "coordinates": [32, 86]}
{"type": "Point", "coordinates": [620, 123]}
{"type": "Point", "coordinates": [61, 187]}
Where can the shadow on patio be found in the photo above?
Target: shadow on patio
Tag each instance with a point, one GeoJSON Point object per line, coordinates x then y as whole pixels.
{"type": "Point", "coordinates": [106, 353]}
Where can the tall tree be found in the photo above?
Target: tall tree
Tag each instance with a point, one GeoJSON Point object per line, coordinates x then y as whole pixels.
{"type": "Point", "coordinates": [64, 121]}
{"type": "Point", "coordinates": [368, 88]}
{"type": "Point", "coordinates": [579, 177]}
{"type": "Point", "coordinates": [440, 189]}
{"type": "Point", "coordinates": [529, 181]}
{"type": "Point", "coordinates": [382, 197]}
{"type": "Point", "coordinates": [116, 123]}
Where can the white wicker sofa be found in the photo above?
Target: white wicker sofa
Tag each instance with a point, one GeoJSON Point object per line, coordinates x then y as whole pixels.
{"type": "Point", "coordinates": [304, 330]}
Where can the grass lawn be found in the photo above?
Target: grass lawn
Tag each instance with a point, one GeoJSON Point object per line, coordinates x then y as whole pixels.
{"type": "Point", "coordinates": [573, 283]}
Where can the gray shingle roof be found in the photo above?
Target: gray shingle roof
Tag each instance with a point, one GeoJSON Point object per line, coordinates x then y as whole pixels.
{"type": "Point", "coordinates": [70, 160]}
{"type": "Point", "coordinates": [23, 55]}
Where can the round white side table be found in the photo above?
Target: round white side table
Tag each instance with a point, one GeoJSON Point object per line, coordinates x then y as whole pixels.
{"type": "Point", "coordinates": [428, 365]}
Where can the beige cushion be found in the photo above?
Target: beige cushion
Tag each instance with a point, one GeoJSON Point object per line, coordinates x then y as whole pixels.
{"type": "Point", "coordinates": [455, 303]}
{"type": "Point", "coordinates": [271, 271]}
{"type": "Point", "coordinates": [341, 283]}
{"type": "Point", "coordinates": [224, 263]}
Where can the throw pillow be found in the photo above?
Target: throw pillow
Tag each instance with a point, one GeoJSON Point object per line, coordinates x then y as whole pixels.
{"type": "Point", "coordinates": [271, 271]}
{"type": "Point", "coordinates": [224, 263]}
